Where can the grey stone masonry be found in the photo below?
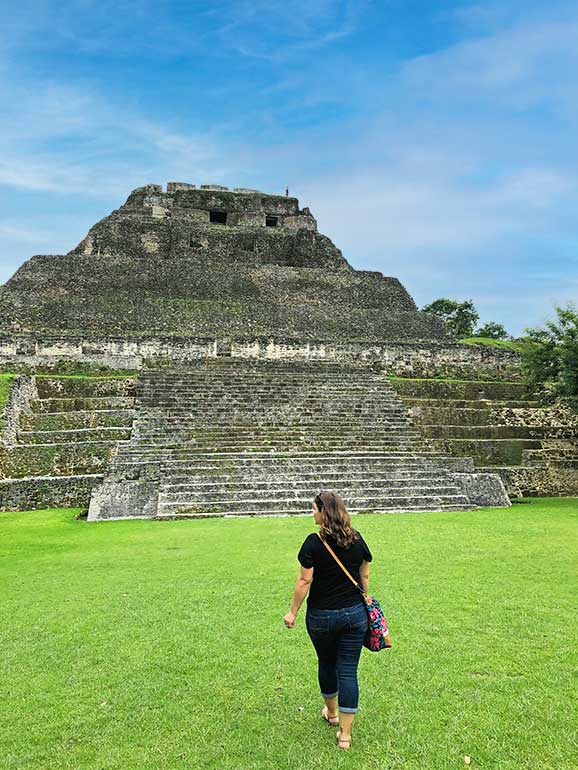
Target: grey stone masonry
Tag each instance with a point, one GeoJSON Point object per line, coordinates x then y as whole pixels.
{"type": "Point", "coordinates": [204, 261]}
{"type": "Point", "coordinates": [503, 427]}
{"type": "Point", "coordinates": [405, 359]}
{"type": "Point", "coordinates": [228, 437]}
{"type": "Point", "coordinates": [22, 391]}
{"type": "Point", "coordinates": [60, 438]}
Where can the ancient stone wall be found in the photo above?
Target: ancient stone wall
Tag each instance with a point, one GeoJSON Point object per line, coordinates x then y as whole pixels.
{"type": "Point", "coordinates": [22, 389]}
{"type": "Point", "coordinates": [30, 494]}
{"type": "Point", "coordinates": [401, 359]}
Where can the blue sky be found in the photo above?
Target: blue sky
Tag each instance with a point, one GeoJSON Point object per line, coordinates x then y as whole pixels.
{"type": "Point", "coordinates": [434, 141]}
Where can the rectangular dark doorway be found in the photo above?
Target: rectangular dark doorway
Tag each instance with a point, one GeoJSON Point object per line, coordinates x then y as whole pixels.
{"type": "Point", "coordinates": [218, 217]}
{"type": "Point", "coordinates": [271, 221]}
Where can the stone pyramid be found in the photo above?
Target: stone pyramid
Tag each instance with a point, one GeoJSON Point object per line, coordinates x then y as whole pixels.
{"type": "Point", "coordinates": [209, 262]}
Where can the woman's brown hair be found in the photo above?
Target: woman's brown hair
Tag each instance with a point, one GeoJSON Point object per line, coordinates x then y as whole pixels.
{"type": "Point", "coordinates": [335, 521]}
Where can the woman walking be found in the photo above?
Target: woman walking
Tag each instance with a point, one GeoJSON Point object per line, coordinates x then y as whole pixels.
{"type": "Point", "coordinates": [336, 618]}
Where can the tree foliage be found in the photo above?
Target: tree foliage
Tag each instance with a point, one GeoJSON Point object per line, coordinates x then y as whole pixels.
{"type": "Point", "coordinates": [461, 317]}
{"type": "Point", "coordinates": [553, 356]}
{"type": "Point", "coordinates": [493, 331]}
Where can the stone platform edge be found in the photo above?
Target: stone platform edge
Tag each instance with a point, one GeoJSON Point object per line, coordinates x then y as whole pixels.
{"type": "Point", "coordinates": [401, 358]}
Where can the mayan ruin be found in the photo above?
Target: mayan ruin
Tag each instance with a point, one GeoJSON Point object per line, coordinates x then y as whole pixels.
{"type": "Point", "coordinates": [259, 366]}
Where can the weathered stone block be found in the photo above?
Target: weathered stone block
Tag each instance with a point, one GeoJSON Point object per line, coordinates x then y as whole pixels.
{"type": "Point", "coordinates": [124, 499]}
{"type": "Point", "coordinates": [485, 490]}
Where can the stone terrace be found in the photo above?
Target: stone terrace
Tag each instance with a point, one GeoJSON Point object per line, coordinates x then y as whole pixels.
{"type": "Point", "coordinates": [63, 434]}
{"type": "Point", "coordinates": [229, 437]}
{"type": "Point", "coordinates": [503, 427]}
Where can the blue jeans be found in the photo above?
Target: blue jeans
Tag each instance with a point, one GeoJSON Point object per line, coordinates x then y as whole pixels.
{"type": "Point", "coordinates": [337, 636]}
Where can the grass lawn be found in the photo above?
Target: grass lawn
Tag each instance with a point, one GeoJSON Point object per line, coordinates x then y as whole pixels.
{"type": "Point", "coordinates": [517, 345]}
{"type": "Point", "coordinates": [142, 645]}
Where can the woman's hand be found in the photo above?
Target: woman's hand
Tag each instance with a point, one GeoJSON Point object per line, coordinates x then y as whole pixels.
{"type": "Point", "coordinates": [289, 620]}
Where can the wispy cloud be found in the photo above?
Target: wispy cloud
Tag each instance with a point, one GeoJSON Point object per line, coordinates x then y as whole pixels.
{"type": "Point", "coordinates": [275, 30]}
{"type": "Point", "coordinates": [63, 139]}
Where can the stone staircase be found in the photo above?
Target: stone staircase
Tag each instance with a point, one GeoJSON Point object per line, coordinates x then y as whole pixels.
{"type": "Point", "coordinates": [64, 435]}
{"type": "Point", "coordinates": [232, 437]}
{"type": "Point", "coordinates": [503, 427]}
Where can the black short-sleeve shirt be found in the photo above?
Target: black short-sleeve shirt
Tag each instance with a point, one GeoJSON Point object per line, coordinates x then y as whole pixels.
{"type": "Point", "coordinates": [331, 589]}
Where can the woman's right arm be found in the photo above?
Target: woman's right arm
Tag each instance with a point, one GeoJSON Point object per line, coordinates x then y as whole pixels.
{"type": "Point", "coordinates": [364, 576]}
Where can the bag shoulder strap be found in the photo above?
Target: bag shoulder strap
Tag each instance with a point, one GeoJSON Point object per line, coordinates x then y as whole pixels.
{"type": "Point", "coordinates": [355, 583]}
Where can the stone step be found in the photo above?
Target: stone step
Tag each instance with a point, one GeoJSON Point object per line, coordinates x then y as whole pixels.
{"type": "Point", "coordinates": [460, 389]}
{"type": "Point", "coordinates": [283, 378]}
{"type": "Point", "coordinates": [97, 418]}
{"type": "Point", "coordinates": [244, 366]}
{"type": "Point", "coordinates": [91, 387]}
{"type": "Point", "coordinates": [478, 404]}
{"type": "Point", "coordinates": [280, 391]}
{"type": "Point", "coordinates": [294, 417]}
{"type": "Point", "coordinates": [126, 449]}
{"type": "Point", "coordinates": [243, 421]}
{"type": "Point", "coordinates": [254, 438]}
{"type": "Point", "coordinates": [196, 416]}
{"type": "Point", "coordinates": [261, 403]}
{"type": "Point", "coordinates": [378, 503]}
{"type": "Point", "coordinates": [327, 480]}
{"type": "Point", "coordinates": [559, 457]}
{"type": "Point", "coordinates": [189, 463]}
{"type": "Point", "coordinates": [286, 378]}
{"type": "Point", "coordinates": [73, 436]}
{"type": "Point", "coordinates": [494, 451]}
{"type": "Point", "coordinates": [55, 459]}
{"type": "Point", "coordinates": [488, 431]}
{"type": "Point", "coordinates": [171, 516]}
{"type": "Point", "coordinates": [273, 432]}
{"type": "Point", "coordinates": [185, 469]}
{"type": "Point", "coordinates": [29, 493]}
{"type": "Point", "coordinates": [366, 443]}
{"type": "Point", "coordinates": [269, 386]}
{"type": "Point", "coordinates": [272, 428]}
{"type": "Point", "coordinates": [52, 405]}
{"type": "Point", "coordinates": [287, 374]}
{"type": "Point", "coordinates": [230, 496]}
{"type": "Point", "coordinates": [281, 445]}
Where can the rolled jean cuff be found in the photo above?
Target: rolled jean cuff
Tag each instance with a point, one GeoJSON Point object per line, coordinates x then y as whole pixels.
{"type": "Point", "coordinates": [346, 710]}
{"type": "Point", "coordinates": [332, 695]}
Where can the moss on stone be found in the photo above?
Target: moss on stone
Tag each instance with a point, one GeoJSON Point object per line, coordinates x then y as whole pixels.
{"type": "Point", "coordinates": [5, 383]}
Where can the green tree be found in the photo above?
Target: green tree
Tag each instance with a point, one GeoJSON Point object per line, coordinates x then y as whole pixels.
{"type": "Point", "coordinates": [493, 331]}
{"type": "Point", "coordinates": [461, 317]}
{"type": "Point", "coordinates": [552, 355]}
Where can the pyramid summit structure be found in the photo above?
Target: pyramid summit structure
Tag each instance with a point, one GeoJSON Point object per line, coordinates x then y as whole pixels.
{"type": "Point", "coordinates": [209, 262]}
{"type": "Point", "coordinates": [228, 360]}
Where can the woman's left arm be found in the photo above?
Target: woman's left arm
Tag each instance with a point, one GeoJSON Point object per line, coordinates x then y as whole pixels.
{"type": "Point", "coordinates": [301, 590]}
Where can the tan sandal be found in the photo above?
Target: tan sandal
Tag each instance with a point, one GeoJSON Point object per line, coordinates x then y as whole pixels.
{"type": "Point", "coordinates": [343, 743]}
{"type": "Point", "coordinates": [333, 721]}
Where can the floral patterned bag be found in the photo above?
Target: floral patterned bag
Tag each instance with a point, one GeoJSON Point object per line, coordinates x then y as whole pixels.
{"type": "Point", "coordinates": [377, 637]}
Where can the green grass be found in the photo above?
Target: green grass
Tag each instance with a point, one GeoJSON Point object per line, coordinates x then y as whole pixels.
{"type": "Point", "coordinates": [63, 367]}
{"type": "Point", "coordinates": [147, 646]}
{"type": "Point", "coordinates": [505, 344]}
